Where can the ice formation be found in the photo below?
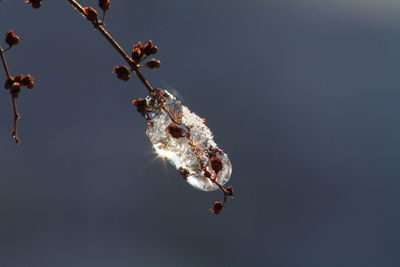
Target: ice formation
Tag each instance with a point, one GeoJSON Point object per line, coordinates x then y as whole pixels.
{"type": "Point", "coordinates": [181, 137]}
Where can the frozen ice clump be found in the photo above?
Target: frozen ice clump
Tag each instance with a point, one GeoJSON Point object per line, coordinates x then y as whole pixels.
{"type": "Point", "coordinates": [181, 137]}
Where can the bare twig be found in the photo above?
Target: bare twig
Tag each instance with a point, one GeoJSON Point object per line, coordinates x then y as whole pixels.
{"type": "Point", "coordinates": [134, 65]}
{"type": "Point", "coordinates": [5, 65]}
{"type": "Point", "coordinates": [13, 97]}
{"type": "Point", "coordinates": [16, 118]}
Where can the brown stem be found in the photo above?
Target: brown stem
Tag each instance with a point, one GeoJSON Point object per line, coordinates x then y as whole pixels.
{"type": "Point", "coordinates": [16, 118]}
{"type": "Point", "coordinates": [13, 97]}
{"type": "Point", "coordinates": [5, 66]}
{"type": "Point", "coordinates": [117, 47]}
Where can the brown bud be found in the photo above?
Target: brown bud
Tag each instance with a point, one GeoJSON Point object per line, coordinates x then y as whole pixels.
{"type": "Point", "coordinates": [18, 78]}
{"type": "Point", "coordinates": [30, 85]}
{"type": "Point", "coordinates": [9, 82]}
{"type": "Point", "coordinates": [154, 50]}
{"type": "Point", "coordinates": [136, 54]}
{"type": "Point", "coordinates": [141, 105]}
{"type": "Point", "coordinates": [122, 72]}
{"type": "Point", "coordinates": [175, 131]}
{"type": "Point", "coordinates": [15, 89]}
{"type": "Point", "coordinates": [11, 38]}
{"type": "Point", "coordinates": [26, 79]}
{"type": "Point", "coordinates": [184, 172]}
{"type": "Point", "coordinates": [104, 5]}
{"type": "Point", "coordinates": [90, 13]}
{"type": "Point", "coordinates": [153, 63]}
{"type": "Point", "coordinates": [35, 3]}
{"type": "Point", "coordinates": [217, 207]}
{"type": "Point", "coordinates": [147, 47]}
{"type": "Point", "coordinates": [229, 190]}
{"type": "Point", "coordinates": [216, 164]}
{"type": "Point", "coordinates": [207, 174]}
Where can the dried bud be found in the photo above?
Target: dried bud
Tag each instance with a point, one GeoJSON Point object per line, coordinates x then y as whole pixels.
{"type": "Point", "coordinates": [9, 83]}
{"type": "Point", "coordinates": [154, 50]}
{"type": "Point", "coordinates": [147, 47]}
{"type": "Point", "coordinates": [26, 79]}
{"type": "Point", "coordinates": [216, 164]}
{"type": "Point", "coordinates": [136, 54]}
{"type": "Point", "coordinates": [207, 174]}
{"type": "Point", "coordinates": [175, 131]}
{"type": "Point", "coordinates": [122, 72]}
{"type": "Point", "coordinates": [15, 89]}
{"type": "Point", "coordinates": [141, 105]}
{"type": "Point", "coordinates": [104, 5]}
{"type": "Point", "coordinates": [11, 38]}
{"type": "Point", "coordinates": [153, 63]}
{"type": "Point", "coordinates": [30, 85]}
{"type": "Point", "coordinates": [90, 13]}
{"type": "Point", "coordinates": [18, 79]}
{"type": "Point", "coordinates": [35, 3]}
{"type": "Point", "coordinates": [229, 190]}
{"type": "Point", "coordinates": [217, 207]}
{"type": "Point", "coordinates": [184, 172]}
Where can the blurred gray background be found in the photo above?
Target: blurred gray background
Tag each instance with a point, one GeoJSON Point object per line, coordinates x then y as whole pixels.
{"type": "Point", "coordinates": [303, 95]}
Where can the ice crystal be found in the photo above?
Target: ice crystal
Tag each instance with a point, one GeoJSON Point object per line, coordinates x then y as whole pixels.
{"type": "Point", "coordinates": [181, 137]}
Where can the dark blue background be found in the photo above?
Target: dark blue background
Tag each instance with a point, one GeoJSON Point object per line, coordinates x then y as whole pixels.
{"type": "Point", "coordinates": [303, 95]}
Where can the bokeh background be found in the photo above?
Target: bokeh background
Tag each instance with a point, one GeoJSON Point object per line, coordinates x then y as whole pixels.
{"type": "Point", "coordinates": [303, 95]}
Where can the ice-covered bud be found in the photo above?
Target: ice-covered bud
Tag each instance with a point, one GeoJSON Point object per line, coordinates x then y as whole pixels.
{"type": "Point", "coordinates": [181, 137]}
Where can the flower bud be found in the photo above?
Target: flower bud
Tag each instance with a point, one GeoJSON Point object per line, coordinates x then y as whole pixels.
{"type": "Point", "coordinates": [104, 5]}
{"type": "Point", "coordinates": [122, 72]}
{"type": "Point", "coordinates": [9, 83]}
{"type": "Point", "coordinates": [153, 63]}
{"type": "Point", "coordinates": [90, 13]}
{"type": "Point", "coordinates": [229, 190]}
{"type": "Point", "coordinates": [217, 207]}
{"type": "Point", "coordinates": [11, 38]}
{"type": "Point", "coordinates": [30, 85]}
{"type": "Point", "coordinates": [216, 164]}
{"type": "Point", "coordinates": [137, 54]}
{"type": "Point", "coordinates": [35, 3]}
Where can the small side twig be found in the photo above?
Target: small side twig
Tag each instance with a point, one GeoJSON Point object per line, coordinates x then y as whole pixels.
{"type": "Point", "coordinates": [14, 84]}
{"type": "Point", "coordinates": [16, 118]}
{"type": "Point", "coordinates": [14, 133]}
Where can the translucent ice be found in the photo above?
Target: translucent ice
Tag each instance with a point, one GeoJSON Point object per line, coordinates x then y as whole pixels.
{"type": "Point", "coordinates": [182, 138]}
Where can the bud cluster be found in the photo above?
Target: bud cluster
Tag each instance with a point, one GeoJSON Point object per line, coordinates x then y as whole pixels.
{"type": "Point", "coordinates": [139, 53]}
{"type": "Point", "coordinates": [15, 83]}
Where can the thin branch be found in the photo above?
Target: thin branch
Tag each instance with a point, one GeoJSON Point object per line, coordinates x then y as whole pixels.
{"type": "Point", "coordinates": [5, 65]}
{"type": "Point", "coordinates": [16, 118]}
{"type": "Point", "coordinates": [13, 97]}
{"type": "Point", "coordinates": [117, 47]}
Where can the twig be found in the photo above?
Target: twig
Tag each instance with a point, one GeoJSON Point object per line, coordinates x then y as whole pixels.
{"type": "Point", "coordinates": [13, 97]}
{"type": "Point", "coordinates": [117, 47]}
{"type": "Point", "coordinates": [5, 65]}
{"type": "Point", "coordinates": [16, 118]}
